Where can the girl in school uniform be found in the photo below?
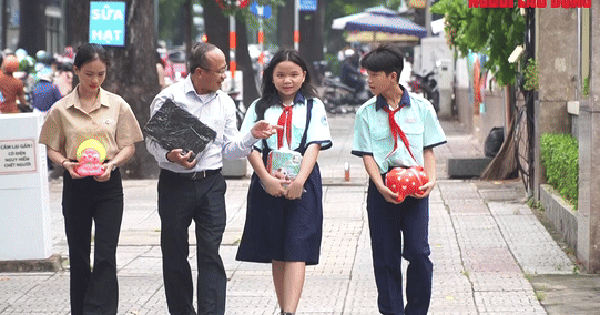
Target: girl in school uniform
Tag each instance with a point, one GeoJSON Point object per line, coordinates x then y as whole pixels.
{"type": "Point", "coordinates": [284, 220]}
{"type": "Point", "coordinates": [90, 112]}
{"type": "Point", "coordinates": [397, 129]}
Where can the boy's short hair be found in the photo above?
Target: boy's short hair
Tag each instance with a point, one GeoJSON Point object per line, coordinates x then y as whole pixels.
{"type": "Point", "coordinates": [386, 57]}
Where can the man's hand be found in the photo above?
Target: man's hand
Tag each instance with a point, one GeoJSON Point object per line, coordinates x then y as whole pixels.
{"type": "Point", "coordinates": [263, 130]}
{"type": "Point", "coordinates": [177, 156]}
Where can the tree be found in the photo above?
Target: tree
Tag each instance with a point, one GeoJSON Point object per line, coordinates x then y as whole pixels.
{"type": "Point", "coordinates": [285, 25]}
{"type": "Point", "coordinates": [132, 73]}
{"type": "Point", "coordinates": [311, 36]}
{"type": "Point", "coordinates": [494, 32]}
{"type": "Point", "coordinates": [216, 21]}
{"type": "Point", "coordinates": [4, 26]}
{"type": "Point", "coordinates": [32, 31]}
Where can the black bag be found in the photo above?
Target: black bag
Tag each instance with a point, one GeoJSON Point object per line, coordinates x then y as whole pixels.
{"type": "Point", "coordinates": [494, 141]}
{"type": "Point", "coordinates": [175, 128]}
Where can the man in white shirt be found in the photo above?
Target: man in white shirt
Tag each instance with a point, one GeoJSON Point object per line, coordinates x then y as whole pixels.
{"type": "Point", "coordinates": [194, 189]}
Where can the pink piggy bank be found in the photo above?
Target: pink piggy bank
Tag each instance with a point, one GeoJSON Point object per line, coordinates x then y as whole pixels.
{"type": "Point", "coordinates": [89, 163]}
{"type": "Point", "coordinates": [406, 182]}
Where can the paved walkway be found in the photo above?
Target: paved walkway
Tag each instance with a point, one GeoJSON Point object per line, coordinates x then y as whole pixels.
{"type": "Point", "coordinates": [485, 242]}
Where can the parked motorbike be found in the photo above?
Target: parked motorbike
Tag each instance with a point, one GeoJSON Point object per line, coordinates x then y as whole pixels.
{"type": "Point", "coordinates": [427, 85]}
{"type": "Point", "coordinates": [338, 96]}
{"type": "Point", "coordinates": [240, 109]}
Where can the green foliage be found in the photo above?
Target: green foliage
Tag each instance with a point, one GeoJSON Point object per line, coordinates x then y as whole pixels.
{"type": "Point", "coordinates": [560, 158]}
{"type": "Point", "coordinates": [494, 32]}
{"type": "Point", "coordinates": [586, 86]}
{"type": "Point", "coordinates": [532, 81]}
{"type": "Point", "coordinates": [334, 64]}
{"type": "Point", "coordinates": [534, 204]}
{"type": "Point", "coordinates": [170, 19]}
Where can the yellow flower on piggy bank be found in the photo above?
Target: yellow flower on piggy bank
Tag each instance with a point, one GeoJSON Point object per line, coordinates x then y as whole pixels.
{"type": "Point", "coordinates": [91, 155]}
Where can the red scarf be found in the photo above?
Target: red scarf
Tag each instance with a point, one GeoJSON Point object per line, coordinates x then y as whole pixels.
{"type": "Point", "coordinates": [396, 131]}
{"type": "Point", "coordinates": [285, 120]}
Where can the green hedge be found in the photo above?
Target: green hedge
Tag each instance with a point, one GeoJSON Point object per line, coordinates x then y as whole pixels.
{"type": "Point", "coordinates": [560, 158]}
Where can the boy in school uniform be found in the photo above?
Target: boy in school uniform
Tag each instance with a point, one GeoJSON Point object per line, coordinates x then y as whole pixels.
{"type": "Point", "coordinates": [397, 129]}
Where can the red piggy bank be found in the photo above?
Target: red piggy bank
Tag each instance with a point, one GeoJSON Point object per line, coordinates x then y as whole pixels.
{"type": "Point", "coordinates": [89, 163]}
{"type": "Point", "coordinates": [406, 181]}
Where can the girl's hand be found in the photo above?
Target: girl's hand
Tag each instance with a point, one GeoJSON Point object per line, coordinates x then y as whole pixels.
{"type": "Point", "coordinates": [294, 190]}
{"type": "Point", "coordinates": [273, 186]}
{"type": "Point", "coordinates": [108, 168]}
{"type": "Point", "coordinates": [71, 167]}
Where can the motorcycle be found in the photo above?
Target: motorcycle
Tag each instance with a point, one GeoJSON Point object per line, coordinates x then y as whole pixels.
{"type": "Point", "coordinates": [337, 95]}
{"type": "Point", "coordinates": [427, 85]}
{"type": "Point", "coordinates": [240, 109]}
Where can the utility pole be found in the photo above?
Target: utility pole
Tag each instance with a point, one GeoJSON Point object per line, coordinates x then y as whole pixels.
{"type": "Point", "coordinates": [427, 18]}
{"type": "Point", "coordinates": [296, 24]}
{"type": "Point", "coordinates": [4, 24]}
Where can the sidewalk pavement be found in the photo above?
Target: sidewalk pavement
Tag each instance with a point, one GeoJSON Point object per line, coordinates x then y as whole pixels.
{"type": "Point", "coordinates": [485, 245]}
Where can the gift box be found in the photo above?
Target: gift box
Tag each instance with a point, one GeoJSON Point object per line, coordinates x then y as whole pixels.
{"type": "Point", "coordinates": [284, 164]}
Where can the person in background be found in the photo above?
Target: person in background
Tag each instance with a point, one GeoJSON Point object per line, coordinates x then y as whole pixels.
{"type": "Point", "coordinates": [284, 220]}
{"type": "Point", "coordinates": [11, 89]}
{"type": "Point", "coordinates": [45, 93]}
{"type": "Point", "coordinates": [160, 70]}
{"type": "Point", "coordinates": [64, 79]}
{"type": "Point", "coordinates": [397, 129]}
{"type": "Point", "coordinates": [90, 112]}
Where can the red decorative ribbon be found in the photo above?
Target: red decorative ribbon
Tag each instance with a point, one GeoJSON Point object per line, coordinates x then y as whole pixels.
{"type": "Point", "coordinates": [396, 131]}
{"type": "Point", "coordinates": [285, 120]}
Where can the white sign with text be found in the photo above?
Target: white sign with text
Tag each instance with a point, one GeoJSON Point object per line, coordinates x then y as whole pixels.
{"type": "Point", "coordinates": [17, 156]}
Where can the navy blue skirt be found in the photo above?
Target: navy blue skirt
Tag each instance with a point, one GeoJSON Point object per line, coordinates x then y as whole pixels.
{"type": "Point", "coordinates": [280, 229]}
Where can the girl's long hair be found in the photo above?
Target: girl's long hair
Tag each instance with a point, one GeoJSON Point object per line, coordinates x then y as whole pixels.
{"type": "Point", "coordinates": [269, 92]}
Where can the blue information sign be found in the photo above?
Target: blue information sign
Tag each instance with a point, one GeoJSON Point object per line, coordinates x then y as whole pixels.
{"type": "Point", "coordinates": [261, 11]}
{"type": "Point", "coordinates": [107, 23]}
{"type": "Point", "coordinates": [308, 5]}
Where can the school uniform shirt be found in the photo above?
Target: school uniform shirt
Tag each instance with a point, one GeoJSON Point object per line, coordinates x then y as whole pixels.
{"type": "Point", "coordinates": [111, 122]}
{"type": "Point", "coordinates": [217, 111]}
{"type": "Point", "coordinates": [318, 129]}
{"type": "Point", "coordinates": [417, 119]}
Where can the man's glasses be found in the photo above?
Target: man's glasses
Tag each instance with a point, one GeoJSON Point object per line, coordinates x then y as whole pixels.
{"type": "Point", "coordinates": [222, 71]}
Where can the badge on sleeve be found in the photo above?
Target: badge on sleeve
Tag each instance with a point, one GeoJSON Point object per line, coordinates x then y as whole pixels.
{"type": "Point", "coordinates": [324, 120]}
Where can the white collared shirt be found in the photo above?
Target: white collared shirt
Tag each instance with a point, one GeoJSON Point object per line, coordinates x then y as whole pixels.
{"type": "Point", "coordinates": [216, 110]}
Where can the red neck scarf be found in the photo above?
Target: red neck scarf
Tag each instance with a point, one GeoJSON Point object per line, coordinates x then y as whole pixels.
{"type": "Point", "coordinates": [285, 120]}
{"type": "Point", "coordinates": [396, 131]}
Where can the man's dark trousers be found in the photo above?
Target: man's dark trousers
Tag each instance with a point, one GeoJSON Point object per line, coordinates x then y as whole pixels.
{"type": "Point", "coordinates": [386, 222]}
{"type": "Point", "coordinates": [182, 200]}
